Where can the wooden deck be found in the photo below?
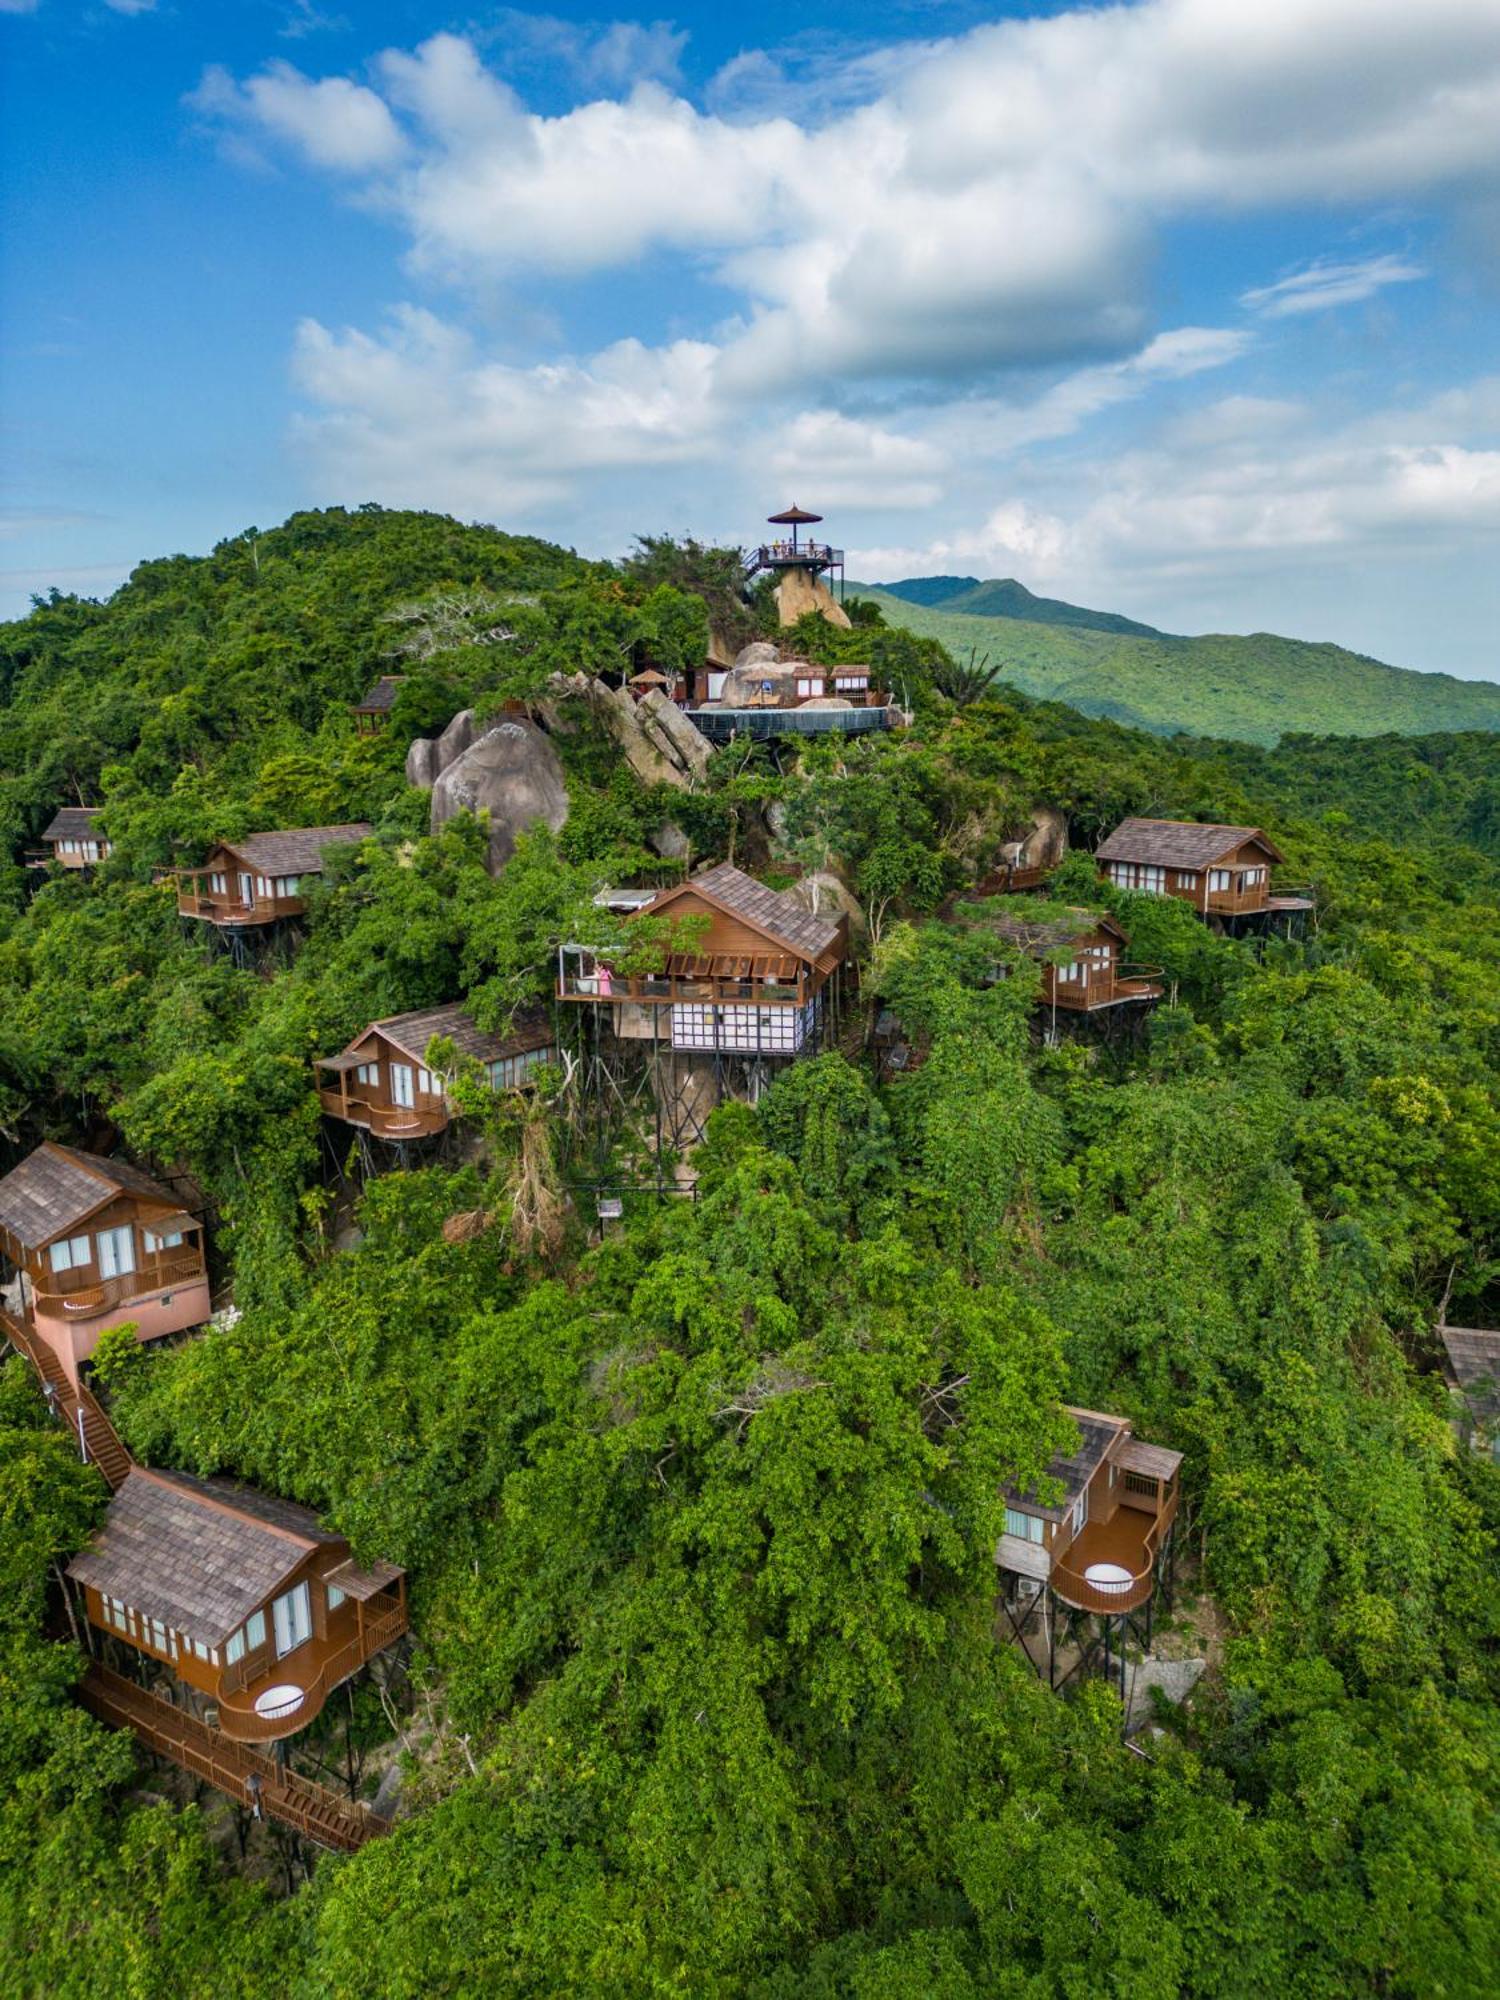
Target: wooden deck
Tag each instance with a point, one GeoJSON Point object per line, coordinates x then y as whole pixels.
{"type": "Point", "coordinates": [1130, 1537]}
{"type": "Point", "coordinates": [95, 1435]}
{"type": "Point", "coordinates": [386, 1121]}
{"type": "Point", "coordinates": [160, 1726]}
{"type": "Point", "coordinates": [317, 1668]}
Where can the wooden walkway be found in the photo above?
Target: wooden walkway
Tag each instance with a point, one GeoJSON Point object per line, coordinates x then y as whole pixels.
{"type": "Point", "coordinates": [230, 1767]}
{"type": "Point", "coordinates": [159, 1724]}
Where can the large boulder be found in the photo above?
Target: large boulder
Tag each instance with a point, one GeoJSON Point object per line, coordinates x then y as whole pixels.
{"type": "Point", "coordinates": [660, 744]}
{"type": "Point", "coordinates": [510, 772]}
{"type": "Point", "coordinates": [828, 895]}
{"type": "Point", "coordinates": [1044, 846]}
{"type": "Point", "coordinates": [422, 763]}
{"type": "Point", "coordinates": [801, 591]}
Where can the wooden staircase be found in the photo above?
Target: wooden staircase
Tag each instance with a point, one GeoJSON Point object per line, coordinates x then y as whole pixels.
{"type": "Point", "coordinates": [161, 1726]}
{"type": "Point", "coordinates": [97, 1439]}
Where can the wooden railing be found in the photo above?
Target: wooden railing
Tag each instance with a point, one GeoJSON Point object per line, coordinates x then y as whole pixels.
{"type": "Point", "coordinates": [1112, 1600]}
{"type": "Point", "coordinates": [69, 1293]}
{"type": "Point", "coordinates": [248, 1776]}
{"type": "Point", "coordinates": [93, 1433]}
{"type": "Point", "coordinates": [1103, 988]}
{"type": "Point", "coordinates": [709, 992]}
{"type": "Point", "coordinates": [240, 1721]}
{"type": "Point", "coordinates": [231, 908]}
{"type": "Point", "coordinates": [386, 1121]}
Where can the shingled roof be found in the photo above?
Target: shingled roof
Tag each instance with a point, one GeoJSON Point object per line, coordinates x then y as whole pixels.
{"type": "Point", "coordinates": [74, 823]}
{"type": "Point", "coordinates": [55, 1188]}
{"type": "Point", "coordinates": [1075, 1469]}
{"type": "Point", "coordinates": [412, 1032]}
{"type": "Point", "coordinates": [1474, 1368]}
{"type": "Point", "coordinates": [773, 911]}
{"type": "Point", "coordinates": [297, 851]}
{"type": "Point", "coordinates": [381, 697]}
{"type": "Point", "coordinates": [1053, 931]}
{"type": "Point", "coordinates": [198, 1554]}
{"type": "Point", "coordinates": [1179, 843]}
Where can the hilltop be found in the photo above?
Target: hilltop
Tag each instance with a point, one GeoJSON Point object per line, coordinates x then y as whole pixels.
{"type": "Point", "coordinates": [1255, 688]}
{"type": "Point", "coordinates": [1005, 597]}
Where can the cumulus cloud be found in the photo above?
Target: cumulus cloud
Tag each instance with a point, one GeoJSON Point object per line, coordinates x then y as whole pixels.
{"type": "Point", "coordinates": [1325, 284]}
{"type": "Point", "coordinates": [602, 55]}
{"type": "Point", "coordinates": [334, 123]}
{"type": "Point", "coordinates": [418, 415]}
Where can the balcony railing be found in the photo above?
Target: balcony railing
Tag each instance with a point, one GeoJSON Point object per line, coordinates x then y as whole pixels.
{"type": "Point", "coordinates": [387, 1121]}
{"type": "Point", "coordinates": [1107, 989]}
{"type": "Point", "coordinates": [782, 555]}
{"type": "Point", "coordinates": [238, 1717]}
{"type": "Point", "coordinates": [1111, 1599]}
{"type": "Point", "coordinates": [714, 992]}
{"type": "Point", "coordinates": [231, 908]}
{"type": "Point", "coordinates": [78, 1294]}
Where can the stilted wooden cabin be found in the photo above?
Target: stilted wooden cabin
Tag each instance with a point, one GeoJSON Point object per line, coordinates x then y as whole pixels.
{"type": "Point", "coordinates": [1471, 1367]}
{"type": "Point", "coordinates": [1082, 968]}
{"type": "Point", "coordinates": [75, 838]}
{"type": "Point", "coordinates": [256, 1610]}
{"type": "Point", "coordinates": [95, 1243]}
{"type": "Point", "coordinates": [259, 880]}
{"type": "Point", "coordinates": [761, 989]}
{"type": "Point", "coordinates": [1096, 1552]}
{"type": "Point", "coordinates": [374, 712]}
{"type": "Point", "coordinates": [757, 985]}
{"type": "Point", "coordinates": [1223, 871]}
{"type": "Point", "coordinates": [382, 1083]}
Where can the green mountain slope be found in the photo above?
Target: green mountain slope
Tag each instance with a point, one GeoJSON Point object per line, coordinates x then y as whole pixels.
{"type": "Point", "coordinates": [1003, 597]}
{"type": "Point", "coordinates": [1256, 688]}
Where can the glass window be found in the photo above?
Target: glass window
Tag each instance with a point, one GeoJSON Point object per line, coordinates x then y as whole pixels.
{"type": "Point", "coordinates": [71, 1253]}
{"type": "Point", "coordinates": [171, 1241]}
{"type": "Point", "coordinates": [255, 1630]}
{"type": "Point", "coordinates": [1218, 878]}
{"type": "Point", "coordinates": [292, 1616]}
{"type": "Point", "coordinates": [218, 884]}
{"type": "Point", "coordinates": [1027, 1526]}
{"type": "Point", "coordinates": [427, 1083]}
{"type": "Point", "coordinates": [335, 1597]}
{"type": "Point", "coordinates": [116, 1251]}
{"type": "Point", "coordinates": [368, 1073]}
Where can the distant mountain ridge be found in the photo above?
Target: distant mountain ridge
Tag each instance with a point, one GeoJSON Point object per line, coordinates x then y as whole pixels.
{"type": "Point", "coordinates": [1255, 688]}
{"type": "Point", "coordinates": [1004, 597]}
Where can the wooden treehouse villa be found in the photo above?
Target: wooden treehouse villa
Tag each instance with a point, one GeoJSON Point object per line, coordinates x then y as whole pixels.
{"type": "Point", "coordinates": [1224, 872]}
{"type": "Point", "coordinates": [382, 1084]}
{"type": "Point", "coordinates": [258, 881]}
{"type": "Point", "coordinates": [74, 839]}
{"type": "Point", "coordinates": [94, 1243]}
{"type": "Point", "coordinates": [1083, 972]}
{"type": "Point", "coordinates": [373, 713]}
{"type": "Point", "coordinates": [219, 1620]}
{"type": "Point", "coordinates": [1079, 1572]}
{"type": "Point", "coordinates": [761, 988]}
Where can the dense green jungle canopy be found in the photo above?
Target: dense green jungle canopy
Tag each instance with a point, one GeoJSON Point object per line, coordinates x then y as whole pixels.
{"type": "Point", "coordinates": [699, 1522]}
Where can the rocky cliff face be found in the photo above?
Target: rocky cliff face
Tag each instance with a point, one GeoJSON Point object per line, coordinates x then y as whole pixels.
{"type": "Point", "coordinates": [508, 771]}
{"type": "Point", "coordinates": [799, 592]}
{"type": "Point", "coordinates": [661, 746]}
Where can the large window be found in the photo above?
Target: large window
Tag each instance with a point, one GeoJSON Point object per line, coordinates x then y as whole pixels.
{"type": "Point", "coordinates": [1027, 1526]}
{"type": "Point", "coordinates": [70, 1254]}
{"type": "Point", "coordinates": [367, 1072]}
{"type": "Point", "coordinates": [1218, 881]}
{"type": "Point", "coordinates": [171, 1241]}
{"type": "Point", "coordinates": [402, 1085]}
{"type": "Point", "coordinates": [1142, 875]}
{"type": "Point", "coordinates": [251, 1635]}
{"type": "Point", "coordinates": [743, 1030]}
{"type": "Point", "coordinates": [510, 1072]}
{"type": "Point", "coordinates": [808, 686]}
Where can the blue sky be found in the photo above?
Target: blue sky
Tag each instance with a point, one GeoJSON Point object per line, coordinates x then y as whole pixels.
{"type": "Point", "coordinates": [1187, 308]}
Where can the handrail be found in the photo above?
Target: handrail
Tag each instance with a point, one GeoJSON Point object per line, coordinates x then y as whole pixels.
{"type": "Point", "coordinates": [244, 1725]}
{"type": "Point", "coordinates": [585, 986]}
{"type": "Point", "coordinates": [388, 1121]}
{"type": "Point", "coordinates": [96, 1295]}
{"type": "Point", "coordinates": [1117, 1598]}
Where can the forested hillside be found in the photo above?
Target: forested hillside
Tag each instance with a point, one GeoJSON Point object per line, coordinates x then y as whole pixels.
{"type": "Point", "coordinates": [708, 1690]}
{"type": "Point", "coordinates": [1257, 687]}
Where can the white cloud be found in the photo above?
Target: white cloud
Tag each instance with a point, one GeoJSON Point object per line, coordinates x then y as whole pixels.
{"type": "Point", "coordinates": [852, 463]}
{"type": "Point", "coordinates": [418, 416]}
{"type": "Point", "coordinates": [604, 55]}
{"type": "Point", "coordinates": [1327, 283]}
{"type": "Point", "coordinates": [333, 123]}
